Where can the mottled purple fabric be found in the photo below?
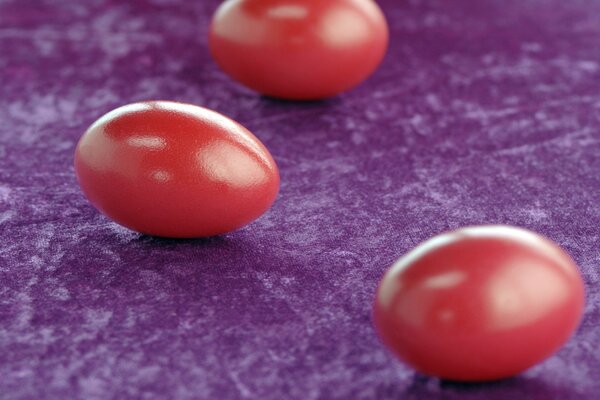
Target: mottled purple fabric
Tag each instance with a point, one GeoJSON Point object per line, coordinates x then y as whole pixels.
{"type": "Point", "coordinates": [484, 111]}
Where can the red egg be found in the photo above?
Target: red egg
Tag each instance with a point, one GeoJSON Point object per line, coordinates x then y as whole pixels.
{"type": "Point", "coordinates": [175, 170]}
{"type": "Point", "coordinates": [299, 49]}
{"type": "Point", "coordinates": [479, 303]}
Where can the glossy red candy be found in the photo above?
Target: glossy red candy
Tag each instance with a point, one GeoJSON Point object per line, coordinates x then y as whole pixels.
{"type": "Point", "coordinates": [175, 170]}
{"type": "Point", "coordinates": [479, 303]}
{"type": "Point", "coordinates": [299, 49]}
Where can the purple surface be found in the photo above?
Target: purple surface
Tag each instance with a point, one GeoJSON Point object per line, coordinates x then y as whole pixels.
{"type": "Point", "coordinates": [483, 112]}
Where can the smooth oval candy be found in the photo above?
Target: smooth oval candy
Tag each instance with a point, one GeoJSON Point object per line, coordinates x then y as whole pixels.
{"type": "Point", "coordinates": [479, 303]}
{"type": "Point", "coordinates": [299, 49]}
{"type": "Point", "coordinates": [175, 170]}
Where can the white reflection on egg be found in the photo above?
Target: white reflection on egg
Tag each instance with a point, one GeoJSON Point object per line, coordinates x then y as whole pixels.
{"type": "Point", "coordinates": [341, 28]}
{"type": "Point", "coordinates": [445, 280]}
{"type": "Point", "coordinates": [522, 294]}
{"type": "Point", "coordinates": [230, 164]}
{"type": "Point", "coordinates": [147, 142]}
{"type": "Point", "coordinates": [388, 287]}
{"type": "Point", "coordinates": [238, 27]}
{"type": "Point", "coordinates": [162, 175]}
{"type": "Point", "coordinates": [288, 11]}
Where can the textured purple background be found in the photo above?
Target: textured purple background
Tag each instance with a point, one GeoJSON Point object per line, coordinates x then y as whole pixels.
{"type": "Point", "coordinates": [484, 111]}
